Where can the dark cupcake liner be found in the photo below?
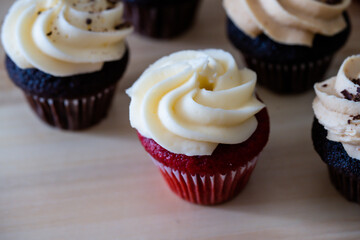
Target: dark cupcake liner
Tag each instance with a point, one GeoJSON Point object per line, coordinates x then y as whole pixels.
{"type": "Point", "coordinates": [347, 185]}
{"type": "Point", "coordinates": [161, 20]}
{"type": "Point", "coordinates": [207, 189]}
{"type": "Point", "coordinates": [286, 78]}
{"type": "Point", "coordinates": [73, 114]}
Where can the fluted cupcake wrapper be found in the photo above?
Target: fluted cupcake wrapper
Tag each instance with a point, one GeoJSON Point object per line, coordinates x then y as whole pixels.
{"type": "Point", "coordinates": [289, 77]}
{"type": "Point", "coordinates": [208, 189]}
{"type": "Point", "coordinates": [347, 185]}
{"type": "Point", "coordinates": [161, 20]}
{"type": "Point", "coordinates": [73, 114]}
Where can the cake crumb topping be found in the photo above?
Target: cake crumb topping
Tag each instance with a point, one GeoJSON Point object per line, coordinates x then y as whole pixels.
{"type": "Point", "coordinates": [350, 96]}
{"type": "Point", "coordinates": [356, 81]}
{"type": "Point", "coordinates": [357, 117]}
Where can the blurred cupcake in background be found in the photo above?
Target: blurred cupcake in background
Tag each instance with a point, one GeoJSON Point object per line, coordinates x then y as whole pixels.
{"type": "Point", "coordinates": [67, 57]}
{"type": "Point", "coordinates": [336, 127]}
{"type": "Point", "coordinates": [289, 44]}
{"type": "Point", "coordinates": [161, 18]}
{"type": "Point", "coordinates": [197, 116]}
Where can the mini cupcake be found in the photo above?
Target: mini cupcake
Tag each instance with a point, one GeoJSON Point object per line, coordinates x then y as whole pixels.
{"type": "Point", "coordinates": [198, 118]}
{"type": "Point", "coordinates": [67, 57]}
{"type": "Point", "coordinates": [336, 127]}
{"type": "Point", "coordinates": [290, 44]}
{"type": "Point", "coordinates": [161, 18]}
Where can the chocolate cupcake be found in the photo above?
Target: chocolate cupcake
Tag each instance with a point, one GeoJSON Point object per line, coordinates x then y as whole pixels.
{"type": "Point", "coordinates": [67, 57]}
{"type": "Point", "coordinates": [198, 118]}
{"type": "Point", "coordinates": [336, 127]}
{"type": "Point", "coordinates": [161, 18]}
{"type": "Point", "coordinates": [289, 44]}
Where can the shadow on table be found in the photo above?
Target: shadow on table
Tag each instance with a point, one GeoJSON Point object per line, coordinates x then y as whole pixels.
{"type": "Point", "coordinates": [296, 189]}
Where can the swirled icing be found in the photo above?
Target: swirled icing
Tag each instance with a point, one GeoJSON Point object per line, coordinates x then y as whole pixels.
{"type": "Point", "coordinates": [191, 101]}
{"type": "Point", "coordinates": [337, 106]}
{"type": "Point", "coordinates": [64, 37]}
{"type": "Point", "coordinates": [290, 22]}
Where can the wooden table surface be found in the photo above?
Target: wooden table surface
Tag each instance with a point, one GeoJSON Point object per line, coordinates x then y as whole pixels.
{"type": "Point", "coordinates": [100, 183]}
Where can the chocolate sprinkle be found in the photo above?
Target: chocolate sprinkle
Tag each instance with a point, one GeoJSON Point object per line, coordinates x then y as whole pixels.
{"type": "Point", "coordinates": [356, 98]}
{"type": "Point", "coordinates": [357, 117]}
{"type": "Point", "coordinates": [324, 85]}
{"type": "Point", "coordinates": [88, 21]}
{"type": "Point", "coordinates": [351, 97]}
{"type": "Point", "coordinates": [49, 34]}
{"type": "Point", "coordinates": [112, 4]}
{"type": "Point", "coordinates": [349, 121]}
{"type": "Point", "coordinates": [347, 95]}
{"type": "Point", "coordinates": [356, 81]}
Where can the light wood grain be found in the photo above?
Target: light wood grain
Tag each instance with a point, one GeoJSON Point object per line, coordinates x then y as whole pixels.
{"type": "Point", "coordinates": [100, 184]}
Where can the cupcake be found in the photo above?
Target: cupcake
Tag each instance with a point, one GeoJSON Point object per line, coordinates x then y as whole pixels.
{"type": "Point", "coordinates": [67, 57]}
{"type": "Point", "coordinates": [161, 18]}
{"type": "Point", "coordinates": [289, 44]}
{"type": "Point", "coordinates": [336, 127]}
{"type": "Point", "coordinates": [198, 118]}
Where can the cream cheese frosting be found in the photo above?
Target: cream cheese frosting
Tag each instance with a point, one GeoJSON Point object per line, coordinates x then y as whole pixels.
{"type": "Point", "coordinates": [64, 37]}
{"type": "Point", "coordinates": [337, 106]}
{"type": "Point", "coordinates": [293, 22]}
{"type": "Point", "coordinates": [190, 101]}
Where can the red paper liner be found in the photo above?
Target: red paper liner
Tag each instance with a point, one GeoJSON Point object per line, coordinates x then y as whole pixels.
{"type": "Point", "coordinates": [207, 189]}
{"type": "Point", "coordinates": [288, 78]}
{"type": "Point", "coordinates": [73, 114]}
{"type": "Point", "coordinates": [348, 186]}
{"type": "Point", "coordinates": [161, 21]}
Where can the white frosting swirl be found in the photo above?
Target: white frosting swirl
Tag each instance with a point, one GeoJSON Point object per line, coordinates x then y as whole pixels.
{"type": "Point", "coordinates": [64, 37]}
{"type": "Point", "coordinates": [287, 21]}
{"type": "Point", "coordinates": [340, 116]}
{"type": "Point", "coordinates": [190, 101]}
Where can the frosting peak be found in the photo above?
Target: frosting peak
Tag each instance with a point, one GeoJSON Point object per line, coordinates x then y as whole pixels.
{"type": "Point", "coordinates": [64, 37]}
{"type": "Point", "coordinates": [191, 101]}
{"type": "Point", "coordinates": [337, 106]}
{"type": "Point", "coordinates": [287, 21]}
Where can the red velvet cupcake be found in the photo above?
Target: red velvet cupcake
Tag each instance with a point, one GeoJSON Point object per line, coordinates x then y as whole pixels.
{"type": "Point", "coordinates": [198, 118]}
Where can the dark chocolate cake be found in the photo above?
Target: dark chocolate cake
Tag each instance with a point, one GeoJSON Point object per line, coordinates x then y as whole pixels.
{"type": "Point", "coordinates": [344, 170]}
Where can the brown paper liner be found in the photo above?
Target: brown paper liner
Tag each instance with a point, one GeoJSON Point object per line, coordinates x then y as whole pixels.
{"type": "Point", "coordinates": [207, 189]}
{"type": "Point", "coordinates": [289, 78]}
{"type": "Point", "coordinates": [73, 114]}
{"type": "Point", "coordinates": [161, 21]}
{"type": "Point", "coordinates": [348, 186]}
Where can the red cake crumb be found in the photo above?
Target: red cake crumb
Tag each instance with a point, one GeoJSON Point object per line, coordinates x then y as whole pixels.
{"type": "Point", "coordinates": [225, 157]}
